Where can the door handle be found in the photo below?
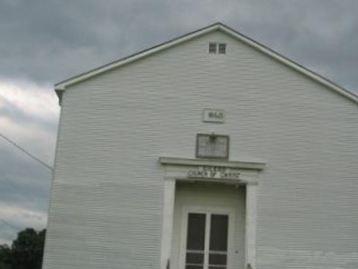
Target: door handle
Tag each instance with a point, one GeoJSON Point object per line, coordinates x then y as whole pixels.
{"type": "Point", "coordinates": [168, 264]}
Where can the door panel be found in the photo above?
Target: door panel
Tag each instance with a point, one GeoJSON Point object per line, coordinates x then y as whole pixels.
{"type": "Point", "coordinates": [196, 231]}
{"type": "Point", "coordinates": [195, 241]}
{"type": "Point", "coordinates": [206, 240]}
{"type": "Point", "coordinates": [212, 199]}
{"type": "Point", "coordinates": [219, 225]}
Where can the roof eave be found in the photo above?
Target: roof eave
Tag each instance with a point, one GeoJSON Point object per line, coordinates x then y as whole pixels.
{"type": "Point", "coordinates": [277, 56]}
{"type": "Point", "coordinates": [61, 86]}
{"type": "Point", "coordinates": [59, 94]}
{"type": "Point", "coordinates": [139, 55]}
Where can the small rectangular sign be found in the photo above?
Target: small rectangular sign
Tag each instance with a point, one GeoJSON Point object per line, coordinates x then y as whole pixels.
{"type": "Point", "coordinates": [213, 115]}
{"type": "Point", "coordinates": [212, 146]}
{"type": "Point", "coordinates": [213, 172]}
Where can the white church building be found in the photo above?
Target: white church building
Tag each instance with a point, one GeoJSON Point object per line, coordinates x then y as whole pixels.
{"type": "Point", "coordinates": [209, 151]}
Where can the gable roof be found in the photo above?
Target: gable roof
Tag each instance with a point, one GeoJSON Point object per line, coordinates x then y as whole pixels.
{"type": "Point", "coordinates": [61, 86]}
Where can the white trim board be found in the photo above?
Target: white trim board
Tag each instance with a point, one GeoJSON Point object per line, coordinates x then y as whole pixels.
{"type": "Point", "coordinates": [179, 169]}
{"type": "Point", "coordinates": [167, 222]}
{"type": "Point", "coordinates": [61, 86]}
{"type": "Point", "coordinates": [175, 170]}
{"type": "Point", "coordinates": [207, 162]}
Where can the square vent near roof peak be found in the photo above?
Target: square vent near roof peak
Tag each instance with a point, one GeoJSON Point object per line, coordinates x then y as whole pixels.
{"type": "Point", "coordinates": [217, 48]}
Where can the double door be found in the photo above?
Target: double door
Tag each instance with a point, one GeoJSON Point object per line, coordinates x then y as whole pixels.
{"type": "Point", "coordinates": [207, 234]}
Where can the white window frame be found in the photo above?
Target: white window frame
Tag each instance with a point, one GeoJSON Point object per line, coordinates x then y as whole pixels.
{"type": "Point", "coordinates": [216, 48]}
{"type": "Point", "coordinates": [224, 46]}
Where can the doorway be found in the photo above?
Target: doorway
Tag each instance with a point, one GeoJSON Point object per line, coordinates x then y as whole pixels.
{"type": "Point", "coordinates": [207, 238]}
{"type": "Point", "coordinates": [209, 221]}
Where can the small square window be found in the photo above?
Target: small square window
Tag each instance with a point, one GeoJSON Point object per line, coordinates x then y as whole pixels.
{"type": "Point", "coordinates": [212, 47]}
{"type": "Point", "coordinates": [222, 48]}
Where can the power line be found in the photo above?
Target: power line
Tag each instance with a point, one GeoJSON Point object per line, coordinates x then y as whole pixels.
{"type": "Point", "coordinates": [32, 157]}
{"type": "Point", "coordinates": [10, 225]}
{"type": "Point", "coordinates": [27, 153]}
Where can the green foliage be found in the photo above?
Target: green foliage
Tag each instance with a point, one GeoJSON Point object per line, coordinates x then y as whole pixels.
{"type": "Point", "coordinates": [26, 251]}
{"type": "Point", "coordinates": [5, 257]}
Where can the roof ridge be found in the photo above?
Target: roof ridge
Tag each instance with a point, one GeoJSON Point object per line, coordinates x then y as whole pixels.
{"type": "Point", "coordinates": [61, 86]}
{"type": "Point", "coordinates": [140, 51]}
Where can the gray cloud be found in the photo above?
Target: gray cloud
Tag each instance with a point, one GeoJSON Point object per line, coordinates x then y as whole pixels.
{"type": "Point", "coordinates": [11, 110]}
{"type": "Point", "coordinates": [48, 41]}
{"type": "Point", "coordinates": [18, 185]}
{"type": "Point", "coordinates": [45, 41]}
{"type": "Point", "coordinates": [24, 189]}
{"type": "Point", "coordinates": [28, 115]}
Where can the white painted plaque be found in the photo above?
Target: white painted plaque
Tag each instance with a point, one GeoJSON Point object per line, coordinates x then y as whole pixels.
{"type": "Point", "coordinates": [212, 146]}
{"type": "Point", "coordinates": [213, 172]}
{"type": "Point", "coordinates": [213, 115]}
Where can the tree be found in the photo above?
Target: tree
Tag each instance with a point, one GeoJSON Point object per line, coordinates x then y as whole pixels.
{"type": "Point", "coordinates": [5, 257]}
{"type": "Point", "coordinates": [26, 251]}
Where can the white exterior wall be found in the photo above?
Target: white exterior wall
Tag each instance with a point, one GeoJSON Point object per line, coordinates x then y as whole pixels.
{"type": "Point", "coordinates": [108, 187]}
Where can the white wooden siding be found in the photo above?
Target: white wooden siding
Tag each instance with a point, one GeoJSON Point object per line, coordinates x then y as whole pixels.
{"type": "Point", "coordinates": [108, 186]}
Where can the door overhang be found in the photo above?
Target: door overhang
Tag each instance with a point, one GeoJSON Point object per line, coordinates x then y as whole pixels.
{"type": "Point", "coordinates": [210, 170]}
{"type": "Point", "coordinates": [229, 172]}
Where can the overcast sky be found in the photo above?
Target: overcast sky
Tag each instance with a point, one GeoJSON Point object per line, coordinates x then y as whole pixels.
{"type": "Point", "coordinates": [45, 41]}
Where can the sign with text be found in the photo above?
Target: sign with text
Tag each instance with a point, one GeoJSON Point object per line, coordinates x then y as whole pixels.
{"type": "Point", "coordinates": [213, 115]}
{"type": "Point", "coordinates": [213, 172]}
{"type": "Point", "coordinates": [212, 146]}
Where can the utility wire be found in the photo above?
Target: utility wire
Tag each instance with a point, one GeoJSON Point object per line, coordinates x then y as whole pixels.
{"type": "Point", "coordinates": [32, 157]}
{"type": "Point", "coordinates": [10, 225]}
{"type": "Point", "coordinates": [27, 153]}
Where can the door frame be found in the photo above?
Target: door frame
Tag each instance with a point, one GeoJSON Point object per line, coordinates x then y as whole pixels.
{"type": "Point", "coordinates": [177, 169]}
{"type": "Point", "coordinates": [207, 210]}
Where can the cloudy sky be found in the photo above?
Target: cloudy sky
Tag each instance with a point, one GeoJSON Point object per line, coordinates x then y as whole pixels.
{"type": "Point", "coordinates": [46, 41]}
